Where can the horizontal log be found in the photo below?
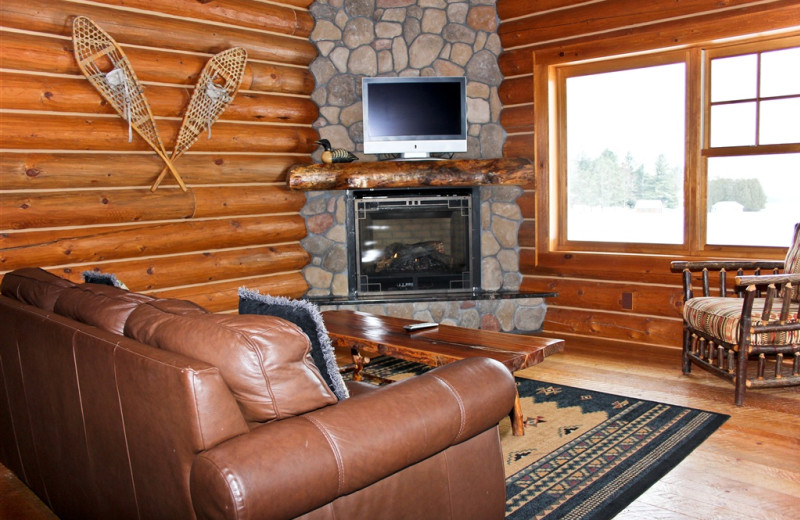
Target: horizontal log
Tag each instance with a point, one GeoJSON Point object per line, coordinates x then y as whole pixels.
{"type": "Point", "coordinates": [246, 200]}
{"type": "Point", "coordinates": [197, 268]}
{"type": "Point", "coordinates": [397, 174]}
{"type": "Point", "coordinates": [242, 13]}
{"type": "Point", "coordinates": [224, 296]}
{"type": "Point", "coordinates": [595, 265]}
{"type": "Point", "coordinates": [755, 18]}
{"type": "Point", "coordinates": [102, 244]}
{"type": "Point", "coordinates": [47, 171]}
{"type": "Point", "coordinates": [54, 55]}
{"type": "Point", "coordinates": [527, 234]}
{"type": "Point", "coordinates": [68, 208]}
{"type": "Point", "coordinates": [527, 260]}
{"type": "Point", "coordinates": [92, 207]}
{"type": "Point", "coordinates": [137, 28]}
{"type": "Point", "coordinates": [77, 95]}
{"type": "Point", "coordinates": [297, 3]}
{"type": "Point", "coordinates": [632, 297]}
{"type": "Point", "coordinates": [100, 132]}
{"type": "Point", "coordinates": [514, 8]}
{"type": "Point", "coordinates": [761, 17]}
{"type": "Point", "coordinates": [597, 18]}
{"type": "Point", "coordinates": [626, 327]}
{"type": "Point", "coordinates": [516, 91]}
{"type": "Point", "coordinates": [519, 145]}
{"type": "Point", "coordinates": [527, 204]}
{"type": "Point", "coordinates": [518, 119]}
{"type": "Point", "coordinates": [39, 53]}
{"type": "Point", "coordinates": [516, 62]}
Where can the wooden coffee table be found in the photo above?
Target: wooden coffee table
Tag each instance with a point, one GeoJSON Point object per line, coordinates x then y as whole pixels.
{"type": "Point", "coordinates": [370, 335]}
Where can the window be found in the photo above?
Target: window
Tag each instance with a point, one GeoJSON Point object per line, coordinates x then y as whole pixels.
{"type": "Point", "coordinates": [692, 150]}
{"type": "Point", "coordinates": [625, 149]}
{"type": "Point", "coordinates": [753, 178]}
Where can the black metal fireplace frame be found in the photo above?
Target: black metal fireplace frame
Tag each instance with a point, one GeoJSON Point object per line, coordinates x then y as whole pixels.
{"type": "Point", "coordinates": [351, 240]}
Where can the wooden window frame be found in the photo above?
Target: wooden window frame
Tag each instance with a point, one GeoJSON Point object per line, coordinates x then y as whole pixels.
{"type": "Point", "coordinates": [559, 188]}
{"type": "Point", "coordinates": [551, 248]}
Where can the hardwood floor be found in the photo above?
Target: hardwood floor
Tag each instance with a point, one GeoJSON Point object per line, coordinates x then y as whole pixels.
{"type": "Point", "coordinates": [748, 469]}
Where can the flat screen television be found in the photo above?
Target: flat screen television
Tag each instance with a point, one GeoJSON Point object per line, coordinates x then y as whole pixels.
{"type": "Point", "coordinates": [415, 116]}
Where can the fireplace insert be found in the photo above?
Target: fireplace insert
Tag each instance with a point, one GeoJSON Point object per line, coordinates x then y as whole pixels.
{"type": "Point", "coordinates": [418, 240]}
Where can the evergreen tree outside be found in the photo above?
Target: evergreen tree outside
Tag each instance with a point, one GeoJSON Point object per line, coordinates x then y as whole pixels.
{"type": "Point", "coordinates": [747, 192]}
{"type": "Point", "coordinates": [604, 181]}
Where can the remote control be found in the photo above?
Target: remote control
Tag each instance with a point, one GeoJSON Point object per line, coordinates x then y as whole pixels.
{"type": "Point", "coordinates": [418, 326]}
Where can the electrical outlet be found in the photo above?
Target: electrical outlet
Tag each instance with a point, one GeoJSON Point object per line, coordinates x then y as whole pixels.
{"type": "Point", "coordinates": [627, 301]}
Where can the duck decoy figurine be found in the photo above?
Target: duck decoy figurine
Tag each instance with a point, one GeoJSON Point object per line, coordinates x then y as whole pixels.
{"type": "Point", "coordinates": [335, 155]}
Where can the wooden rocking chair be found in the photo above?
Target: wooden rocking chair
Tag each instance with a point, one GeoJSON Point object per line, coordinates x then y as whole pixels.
{"type": "Point", "coordinates": [752, 338]}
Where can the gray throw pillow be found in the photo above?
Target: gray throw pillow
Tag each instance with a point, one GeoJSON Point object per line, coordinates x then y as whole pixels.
{"type": "Point", "coordinates": [103, 279]}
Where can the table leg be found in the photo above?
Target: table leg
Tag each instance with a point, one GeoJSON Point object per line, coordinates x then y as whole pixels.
{"type": "Point", "coordinates": [359, 361]}
{"type": "Point", "coordinates": [517, 419]}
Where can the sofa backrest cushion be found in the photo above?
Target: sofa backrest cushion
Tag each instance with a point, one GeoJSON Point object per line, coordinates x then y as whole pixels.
{"type": "Point", "coordinates": [102, 306]}
{"type": "Point", "coordinates": [264, 360]}
{"type": "Point", "coordinates": [35, 287]}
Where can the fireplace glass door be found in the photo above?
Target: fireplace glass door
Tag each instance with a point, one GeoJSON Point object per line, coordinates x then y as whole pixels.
{"type": "Point", "coordinates": [414, 241]}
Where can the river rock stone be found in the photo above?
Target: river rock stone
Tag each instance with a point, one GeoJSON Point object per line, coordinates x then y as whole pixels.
{"type": "Point", "coordinates": [358, 32]}
{"type": "Point", "coordinates": [363, 61]}
{"type": "Point", "coordinates": [483, 67]}
{"type": "Point", "coordinates": [359, 7]}
{"type": "Point", "coordinates": [424, 50]}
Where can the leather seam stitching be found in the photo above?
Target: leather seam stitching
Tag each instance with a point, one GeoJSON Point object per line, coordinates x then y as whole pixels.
{"type": "Point", "coordinates": [336, 453]}
{"type": "Point", "coordinates": [461, 407]}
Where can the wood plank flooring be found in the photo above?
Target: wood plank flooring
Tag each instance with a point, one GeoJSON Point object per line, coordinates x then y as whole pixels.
{"type": "Point", "coordinates": [748, 469]}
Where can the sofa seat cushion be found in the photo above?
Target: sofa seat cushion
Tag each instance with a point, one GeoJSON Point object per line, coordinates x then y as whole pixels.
{"type": "Point", "coordinates": [719, 318]}
{"type": "Point", "coordinates": [264, 360]}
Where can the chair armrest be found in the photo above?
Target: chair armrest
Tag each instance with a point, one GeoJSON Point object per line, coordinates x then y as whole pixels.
{"type": "Point", "coordinates": [729, 265]}
{"type": "Point", "coordinates": [767, 279]}
{"type": "Point", "coordinates": [721, 268]}
{"type": "Point", "coordinates": [286, 468]}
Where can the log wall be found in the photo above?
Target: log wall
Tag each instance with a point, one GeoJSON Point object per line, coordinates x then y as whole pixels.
{"type": "Point", "coordinates": [615, 297]}
{"type": "Point", "coordinates": [75, 194]}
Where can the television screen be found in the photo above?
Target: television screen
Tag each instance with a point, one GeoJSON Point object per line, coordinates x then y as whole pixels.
{"type": "Point", "coordinates": [414, 116]}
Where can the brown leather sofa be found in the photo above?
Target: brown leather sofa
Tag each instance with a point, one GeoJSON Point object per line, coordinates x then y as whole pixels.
{"type": "Point", "coordinates": [118, 405]}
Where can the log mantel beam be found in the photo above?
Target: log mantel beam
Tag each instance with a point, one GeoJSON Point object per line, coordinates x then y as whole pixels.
{"type": "Point", "coordinates": [409, 174]}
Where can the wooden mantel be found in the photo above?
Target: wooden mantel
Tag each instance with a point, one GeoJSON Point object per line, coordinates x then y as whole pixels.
{"type": "Point", "coordinates": [407, 174]}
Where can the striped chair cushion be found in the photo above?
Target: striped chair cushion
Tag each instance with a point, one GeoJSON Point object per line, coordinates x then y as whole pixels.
{"type": "Point", "coordinates": [792, 263]}
{"type": "Point", "coordinates": [719, 318]}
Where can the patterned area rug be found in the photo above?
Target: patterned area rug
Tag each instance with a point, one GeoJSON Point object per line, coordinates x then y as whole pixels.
{"type": "Point", "coordinates": [585, 454]}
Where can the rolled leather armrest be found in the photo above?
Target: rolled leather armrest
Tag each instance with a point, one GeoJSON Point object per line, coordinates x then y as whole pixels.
{"type": "Point", "coordinates": [287, 468]}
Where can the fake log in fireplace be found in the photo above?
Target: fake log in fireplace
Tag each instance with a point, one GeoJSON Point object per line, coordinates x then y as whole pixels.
{"type": "Point", "coordinates": [413, 241]}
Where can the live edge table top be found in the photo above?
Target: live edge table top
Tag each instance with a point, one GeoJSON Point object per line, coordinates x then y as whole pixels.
{"type": "Point", "coordinates": [373, 335]}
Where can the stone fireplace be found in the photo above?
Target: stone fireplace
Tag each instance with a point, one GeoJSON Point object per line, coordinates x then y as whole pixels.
{"type": "Point", "coordinates": [357, 38]}
{"type": "Point", "coordinates": [498, 221]}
